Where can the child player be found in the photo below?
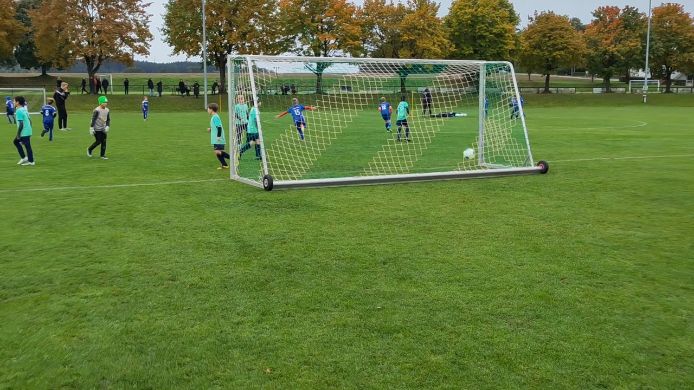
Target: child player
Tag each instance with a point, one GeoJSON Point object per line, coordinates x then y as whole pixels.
{"type": "Point", "coordinates": [217, 135]}
{"type": "Point", "coordinates": [9, 106]}
{"type": "Point", "coordinates": [241, 114]}
{"type": "Point", "coordinates": [297, 112]}
{"type": "Point", "coordinates": [101, 120]}
{"type": "Point", "coordinates": [386, 110]}
{"type": "Point", "coordinates": [145, 107]}
{"type": "Point", "coordinates": [48, 112]}
{"type": "Point", "coordinates": [24, 131]}
{"type": "Point", "coordinates": [403, 111]}
{"type": "Point", "coordinates": [252, 133]}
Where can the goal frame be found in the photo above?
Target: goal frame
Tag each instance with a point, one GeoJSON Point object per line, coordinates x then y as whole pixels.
{"type": "Point", "coordinates": [639, 85]}
{"type": "Point", "coordinates": [42, 90]}
{"type": "Point", "coordinates": [268, 183]}
{"type": "Point", "coordinates": [110, 80]}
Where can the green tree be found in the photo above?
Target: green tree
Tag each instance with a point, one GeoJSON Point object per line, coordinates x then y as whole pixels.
{"type": "Point", "coordinates": [672, 41]}
{"type": "Point", "coordinates": [323, 28]}
{"type": "Point", "coordinates": [381, 33]}
{"type": "Point", "coordinates": [633, 28]}
{"type": "Point", "coordinates": [550, 42]}
{"type": "Point", "coordinates": [95, 31]}
{"type": "Point", "coordinates": [11, 30]}
{"type": "Point", "coordinates": [482, 29]}
{"type": "Point", "coordinates": [232, 27]}
{"type": "Point", "coordinates": [25, 52]}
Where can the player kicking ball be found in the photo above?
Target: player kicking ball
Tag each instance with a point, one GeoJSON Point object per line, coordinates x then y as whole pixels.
{"type": "Point", "coordinates": [386, 111]}
{"type": "Point", "coordinates": [297, 112]}
{"type": "Point", "coordinates": [217, 139]}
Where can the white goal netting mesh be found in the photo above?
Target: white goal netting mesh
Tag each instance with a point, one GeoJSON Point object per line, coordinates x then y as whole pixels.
{"type": "Point", "coordinates": [35, 97]}
{"type": "Point", "coordinates": [323, 120]}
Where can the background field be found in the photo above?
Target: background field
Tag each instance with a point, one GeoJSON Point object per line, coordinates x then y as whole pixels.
{"type": "Point", "coordinates": [153, 270]}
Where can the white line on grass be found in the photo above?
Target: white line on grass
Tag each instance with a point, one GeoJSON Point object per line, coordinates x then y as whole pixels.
{"type": "Point", "coordinates": [161, 183]}
{"type": "Point", "coordinates": [623, 158]}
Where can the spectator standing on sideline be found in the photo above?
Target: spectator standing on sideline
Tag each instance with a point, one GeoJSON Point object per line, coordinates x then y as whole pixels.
{"type": "Point", "coordinates": [214, 87]}
{"type": "Point", "coordinates": [181, 87]}
{"type": "Point", "coordinates": [160, 87]}
{"type": "Point", "coordinates": [196, 89]}
{"type": "Point", "coordinates": [84, 86]}
{"type": "Point", "coordinates": [98, 85]}
{"type": "Point", "coordinates": [60, 96]}
{"type": "Point", "coordinates": [104, 85]}
{"type": "Point", "coordinates": [150, 86]}
{"type": "Point", "coordinates": [126, 86]}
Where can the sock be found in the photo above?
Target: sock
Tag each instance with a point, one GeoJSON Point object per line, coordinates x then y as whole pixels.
{"type": "Point", "coordinates": [221, 159]}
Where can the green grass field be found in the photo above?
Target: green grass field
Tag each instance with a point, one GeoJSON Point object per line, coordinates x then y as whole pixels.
{"type": "Point", "coordinates": [153, 270]}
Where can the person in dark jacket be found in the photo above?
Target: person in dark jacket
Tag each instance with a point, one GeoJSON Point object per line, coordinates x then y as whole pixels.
{"type": "Point", "coordinates": [60, 96]}
{"type": "Point", "coordinates": [182, 87]}
{"type": "Point", "coordinates": [126, 86]}
{"type": "Point", "coordinates": [196, 89]}
{"type": "Point", "coordinates": [150, 86]}
{"type": "Point", "coordinates": [104, 86]}
{"type": "Point", "coordinates": [160, 87]}
{"type": "Point", "coordinates": [98, 84]}
{"type": "Point", "coordinates": [84, 86]}
{"type": "Point", "coordinates": [426, 101]}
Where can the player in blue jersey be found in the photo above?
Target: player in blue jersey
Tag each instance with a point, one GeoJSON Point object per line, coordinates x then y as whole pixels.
{"type": "Point", "coordinates": [297, 112]}
{"type": "Point", "coordinates": [48, 112]}
{"type": "Point", "coordinates": [386, 111]}
{"type": "Point", "coordinates": [9, 106]}
{"type": "Point", "coordinates": [516, 107]}
{"type": "Point", "coordinates": [145, 107]}
{"type": "Point", "coordinates": [486, 106]}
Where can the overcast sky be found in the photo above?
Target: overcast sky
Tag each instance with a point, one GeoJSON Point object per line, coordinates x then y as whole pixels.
{"type": "Point", "coordinates": [161, 52]}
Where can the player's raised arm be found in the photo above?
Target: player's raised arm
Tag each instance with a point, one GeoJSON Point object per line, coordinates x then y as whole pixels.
{"type": "Point", "coordinates": [311, 108]}
{"type": "Point", "coordinates": [282, 114]}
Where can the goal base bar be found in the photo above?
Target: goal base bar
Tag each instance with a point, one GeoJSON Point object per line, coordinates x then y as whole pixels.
{"type": "Point", "coordinates": [368, 180]}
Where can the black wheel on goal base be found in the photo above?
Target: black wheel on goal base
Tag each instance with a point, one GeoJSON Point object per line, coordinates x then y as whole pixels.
{"type": "Point", "coordinates": [544, 166]}
{"type": "Point", "coordinates": [267, 183]}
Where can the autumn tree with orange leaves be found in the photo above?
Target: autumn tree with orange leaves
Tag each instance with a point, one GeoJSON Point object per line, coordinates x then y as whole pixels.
{"type": "Point", "coordinates": [672, 42]}
{"type": "Point", "coordinates": [91, 30]}
{"type": "Point", "coordinates": [11, 30]}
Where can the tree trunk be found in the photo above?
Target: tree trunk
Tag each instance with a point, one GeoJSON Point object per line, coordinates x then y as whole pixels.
{"type": "Point", "coordinates": [627, 76]}
{"type": "Point", "coordinates": [319, 82]}
{"type": "Point", "coordinates": [530, 74]}
{"type": "Point", "coordinates": [606, 84]}
{"type": "Point", "coordinates": [221, 64]}
{"type": "Point", "coordinates": [668, 79]}
{"type": "Point", "coordinates": [547, 83]}
{"type": "Point", "coordinates": [44, 70]}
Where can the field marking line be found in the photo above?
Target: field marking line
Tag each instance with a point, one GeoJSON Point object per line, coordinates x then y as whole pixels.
{"type": "Point", "coordinates": [161, 183]}
{"type": "Point", "coordinates": [623, 158]}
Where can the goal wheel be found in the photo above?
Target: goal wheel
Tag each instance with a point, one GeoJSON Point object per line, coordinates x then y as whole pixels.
{"type": "Point", "coordinates": [267, 183]}
{"type": "Point", "coordinates": [543, 165]}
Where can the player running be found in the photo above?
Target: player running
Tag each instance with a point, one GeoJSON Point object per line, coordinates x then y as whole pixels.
{"type": "Point", "coordinates": [297, 112]}
{"type": "Point", "coordinates": [386, 110]}
{"type": "Point", "coordinates": [9, 107]}
{"type": "Point", "coordinates": [403, 111]}
{"type": "Point", "coordinates": [48, 112]}
{"type": "Point", "coordinates": [24, 132]}
{"type": "Point", "coordinates": [99, 127]}
{"type": "Point", "coordinates": [217, 139]}
{"type": "Point", "coordinates": [145, 107]}
{"type": "Point", "coordinates": [516, 107]}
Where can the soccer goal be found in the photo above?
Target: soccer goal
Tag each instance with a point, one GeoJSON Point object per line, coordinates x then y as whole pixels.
{"type": "Point", "coordinates": [35, 97]}
{"type": "Point", "coordinates": [109, 77]}
{"type": "Point", "coordinates": [341, 130]}
{"type": "Point", "coordinates": [636, 86]}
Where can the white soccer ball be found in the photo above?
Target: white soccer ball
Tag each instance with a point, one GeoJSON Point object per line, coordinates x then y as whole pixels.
{"type": "Point", "coordinates": [469, 153]}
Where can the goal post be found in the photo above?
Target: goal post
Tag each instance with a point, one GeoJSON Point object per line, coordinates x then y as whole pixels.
{"type": "Point", "coordinates": [35, 97]}
{"type": "Point", "coordinates": [637, 86]}
{"type": "Point", "coordinates": [450, 119]}
{"type": "Point", "coordinates": [109, 77]}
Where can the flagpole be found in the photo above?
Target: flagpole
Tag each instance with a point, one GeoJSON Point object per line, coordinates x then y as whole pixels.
{"type": "Point", "coordinates": [648, 48]}
{"type": "Point", "coordinates": [204, 52]}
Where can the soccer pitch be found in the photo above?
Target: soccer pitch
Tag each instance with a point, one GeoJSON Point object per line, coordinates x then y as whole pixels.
{"type": "Point", "coordinates": [154, 270]}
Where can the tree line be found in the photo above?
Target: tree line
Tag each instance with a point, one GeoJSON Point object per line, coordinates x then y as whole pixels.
{"type": "Point", "coordinates": [57, 33]}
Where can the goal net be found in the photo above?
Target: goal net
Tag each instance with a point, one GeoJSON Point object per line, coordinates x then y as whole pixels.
{"type": "Point", "coordinates": [333, 121]}
{"type": "Point", "coordinates": [637, 86]}
{"type": "Point", "coordinates": [35, 97]}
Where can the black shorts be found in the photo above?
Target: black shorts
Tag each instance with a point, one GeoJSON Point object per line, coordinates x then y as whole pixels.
{"type": "Point", "coordinates": [219, 146]}
{"type": "Point", "coordinates": [252, 137]}
{"type": "Point", "coordinates": [401, 122]}
{"type": "Point", "coordinates": [299, 125]}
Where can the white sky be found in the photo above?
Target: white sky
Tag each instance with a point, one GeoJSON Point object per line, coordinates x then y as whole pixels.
{"type": "Point", "coordinates": [161, 52]}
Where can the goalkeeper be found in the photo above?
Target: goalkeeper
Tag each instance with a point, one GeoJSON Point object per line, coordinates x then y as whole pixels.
{"type": "Point", "coordinates": [403, 111]}
{"type": "Point", "coordinates": [252, 133]}
{"type": "Point", "coordinates": [297, 112]}
{"type": "Point", "coordinates": [101, 120]}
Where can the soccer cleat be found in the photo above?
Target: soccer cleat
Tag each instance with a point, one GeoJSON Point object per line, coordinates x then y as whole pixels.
{"type": "Point", "coordinates": [89, 153]}
{"type": "Point", "coordinates": [28, 163]}
{"type": "Point", "coordinates": [43, 133]}
{"type": "Point", "coordinates": [104, 158]}
{"type": "Point", "coordinates": [223, 167]}
{"type": "Point", "coordinates": [22, 160]}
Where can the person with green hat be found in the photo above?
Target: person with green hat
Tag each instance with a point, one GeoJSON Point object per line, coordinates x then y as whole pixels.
{"type": "Point", "coordinates": [101, 120]}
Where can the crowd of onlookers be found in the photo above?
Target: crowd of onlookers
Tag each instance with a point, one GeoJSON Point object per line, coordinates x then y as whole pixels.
{"type": "Point", "coordinates": [99, 85]}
